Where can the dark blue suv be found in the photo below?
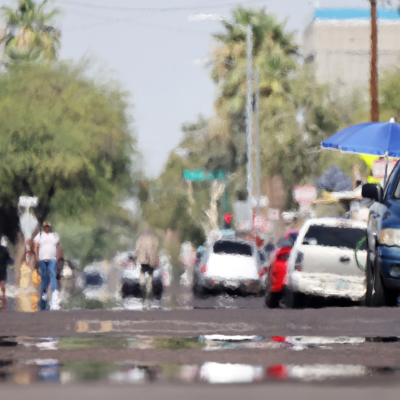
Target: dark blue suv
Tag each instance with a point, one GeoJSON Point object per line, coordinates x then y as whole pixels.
{"type": "Point", "coordinates": [383, 242]}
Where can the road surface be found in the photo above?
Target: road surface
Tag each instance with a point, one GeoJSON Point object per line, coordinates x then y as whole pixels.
{"type": "Point", "coordinates": [217, 347]}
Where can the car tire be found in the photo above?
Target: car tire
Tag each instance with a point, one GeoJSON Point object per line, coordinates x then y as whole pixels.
{"type": "Point", "coordinates": [199, 290]}
{"type": "Point", "coordinates": [378, 298]}
{"type": "Point", "coordinates": [368, 300]}
{"type": "Point", "coordinates": [382, 297]}
{"type": "Point", "coordinates": [272, 299]}
{"type": "Point", "coordinates": [294, 300]}
{"type": "Point", "coordinates": [158, 289]}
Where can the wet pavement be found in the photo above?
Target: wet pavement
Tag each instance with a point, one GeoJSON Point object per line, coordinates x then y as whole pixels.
{"type": "Point", "coordinates": [40, 369]}
{"type": "Point", "coordinates": [211, 342]}
{"type": "Point", "coordinates": [69, 372]}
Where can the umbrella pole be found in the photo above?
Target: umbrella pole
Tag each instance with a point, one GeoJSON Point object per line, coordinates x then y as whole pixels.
{"type": "Point", "coordinates": [386, 170]}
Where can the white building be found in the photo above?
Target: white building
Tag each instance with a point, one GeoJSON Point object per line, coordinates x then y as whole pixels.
{"type": "Point", "coordinates": [338, 41]}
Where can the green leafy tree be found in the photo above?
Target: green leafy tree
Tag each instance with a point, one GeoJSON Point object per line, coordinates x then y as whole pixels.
{"type": "Point", "coordinates": [65, 138]}
{"type": "Point", "coordinates": [291, 136]}
{"type": "Point", "coordinates": [165, 204]}
{"type": "Point", "coordinates": [389, 94]}
{"type": "Point", "coordinates": [30, 35]}
{"type": "Point", "coordinates": [96, 236]}
{"type": "Point", "coordinates": [274, 55]}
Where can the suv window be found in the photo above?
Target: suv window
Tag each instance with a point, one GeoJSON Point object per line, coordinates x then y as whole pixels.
{"type": "Point", "coordinates": [334, 236]}
{"type": "Point", "coordinates": [389, 182]}
{"type": "Point", "coordinates": [396, 193]}
{"type": "Point", "coordinates": [227, 247]}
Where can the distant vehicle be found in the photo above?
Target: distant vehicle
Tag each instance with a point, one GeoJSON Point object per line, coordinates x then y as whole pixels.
{"type": "Point", "coordinates": [131, 278]}
{"type": "Point", "coordinates": [383, 242]}
{"type": "Point", "coordinates": [277, 270]}
{"type": "Point", "coordinates": [323, 261]}
{"type": "Point", "coordinates": [94, 283]}
{"type": "Point", "coordinates": [292, 234]}
{"type": "Point", "coordinates": [229, 265]}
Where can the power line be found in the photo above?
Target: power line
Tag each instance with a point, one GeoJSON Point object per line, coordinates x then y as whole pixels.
{"type": "Point", "coordinates": [153, 26]}
{"type": "Point", "coordinates": [159, 9]}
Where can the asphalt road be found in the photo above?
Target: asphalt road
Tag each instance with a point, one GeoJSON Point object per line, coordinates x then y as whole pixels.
{"type": "Point", "coordinates": [349, 352]}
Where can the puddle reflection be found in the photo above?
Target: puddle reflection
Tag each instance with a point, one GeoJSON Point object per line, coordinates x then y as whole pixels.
{"type": "Point", "coordinates": [203, 342]}
{"type": "Point", "coordinates": [97, 297]}
{"type": "Point", "coordinates": [51, 370]}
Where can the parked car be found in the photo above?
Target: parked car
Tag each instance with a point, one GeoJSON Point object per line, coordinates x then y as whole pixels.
{"type": "Point", "coordinates": [94, 282]}
{"type": "Point", "coordinates": [323, 261]}
{"type": "Point", "coordinates": [229, 265]}
{"type": "Point", "coordinates": [277, 271]}
{"type": "Point", "coordinates": [383, 242]}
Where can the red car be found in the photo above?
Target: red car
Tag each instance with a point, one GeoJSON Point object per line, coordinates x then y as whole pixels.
{"type": "Point", "coordinates": [278, 268]}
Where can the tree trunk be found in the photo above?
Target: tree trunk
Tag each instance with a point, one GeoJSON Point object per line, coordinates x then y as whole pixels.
{"type": "Point", "coordinates": [19, 256]}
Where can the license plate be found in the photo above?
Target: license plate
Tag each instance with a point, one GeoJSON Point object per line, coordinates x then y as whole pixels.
{"type": "Point", "coordinates": [232, 284]}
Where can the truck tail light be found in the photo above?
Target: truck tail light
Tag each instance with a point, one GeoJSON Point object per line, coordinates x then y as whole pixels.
{"type": "Point", "coordinates": [203, 269]}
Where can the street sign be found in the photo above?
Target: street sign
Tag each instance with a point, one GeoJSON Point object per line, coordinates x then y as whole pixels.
{"type": "Point", "coordinates": [273, 214]}
{"type": "Point", "coordinates": [379, 166]}
{"type": "Point", "coordinates": [304, 194]}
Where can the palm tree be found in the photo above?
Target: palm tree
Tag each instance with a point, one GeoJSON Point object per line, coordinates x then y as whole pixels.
{"type": "Point", "coordinates": [274, 53]}
{"type": "Point", "coordinates": [29, 34]}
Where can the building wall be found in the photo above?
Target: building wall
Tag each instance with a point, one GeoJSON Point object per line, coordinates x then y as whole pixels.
{"type": "Point", "coordinates": [341, 50]}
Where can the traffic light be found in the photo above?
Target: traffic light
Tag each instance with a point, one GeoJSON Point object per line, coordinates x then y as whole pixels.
{"type": "Point", "coordinates": [228, 220]}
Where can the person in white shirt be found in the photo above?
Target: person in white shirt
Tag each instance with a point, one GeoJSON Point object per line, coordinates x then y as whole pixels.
{"type": "Point", "coordinates": [46, 249]}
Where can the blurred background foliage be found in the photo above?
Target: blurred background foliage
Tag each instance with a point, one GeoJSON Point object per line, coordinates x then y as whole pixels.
{"type": "Point", "coordinates": [30, 35]}
{"type": "Point", "coordinates": [67, 139]}
{"type": "Point", "coordinates": [67, 136]}
{"type": "Point", "coordinates": [296, 114]}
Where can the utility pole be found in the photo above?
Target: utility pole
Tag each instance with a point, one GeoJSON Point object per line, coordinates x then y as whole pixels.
{"type": "Point", "coordinates": [374, 64]}
{"type": "Point", "coordinates": [257, 138]}
{"type": "Point", "coordinates": [249, 120]}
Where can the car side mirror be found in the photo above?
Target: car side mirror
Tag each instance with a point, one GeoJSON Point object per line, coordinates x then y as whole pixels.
{"type": "Point", "coordinates": [371, 191]}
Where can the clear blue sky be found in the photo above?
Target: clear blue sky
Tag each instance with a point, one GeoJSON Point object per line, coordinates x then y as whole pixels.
{"type": "Point", "coordinates": [152, 52]}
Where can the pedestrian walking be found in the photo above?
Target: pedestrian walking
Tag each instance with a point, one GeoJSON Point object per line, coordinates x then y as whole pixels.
{"type": "Point", "coordinates": [4, 260]}
{"type": "Point", "coordinates": [147, 256]}
{"type": "Point", "coordinates": [47, 250]}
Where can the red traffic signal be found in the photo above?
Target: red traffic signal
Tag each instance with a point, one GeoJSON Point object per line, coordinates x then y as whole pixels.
{"type": "Point", "coordinates": [228, 217]}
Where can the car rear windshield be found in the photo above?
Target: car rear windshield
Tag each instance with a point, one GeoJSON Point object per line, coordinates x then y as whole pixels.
{"type": "Point", "coordinates": [226, 247]}
{"type": "Point", "coordinates": [334, 236]}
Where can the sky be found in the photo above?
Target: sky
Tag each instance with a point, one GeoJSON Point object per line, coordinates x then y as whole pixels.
{"type": "Point", "coordinates": [154, 51]}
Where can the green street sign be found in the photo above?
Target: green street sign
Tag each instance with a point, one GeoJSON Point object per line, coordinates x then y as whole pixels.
{"type": "Point", "coordinates": [198, 175]}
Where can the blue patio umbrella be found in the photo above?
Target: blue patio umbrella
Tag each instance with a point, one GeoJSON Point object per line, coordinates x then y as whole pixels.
{"type": "Point", "coordinates": [374, 138]}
